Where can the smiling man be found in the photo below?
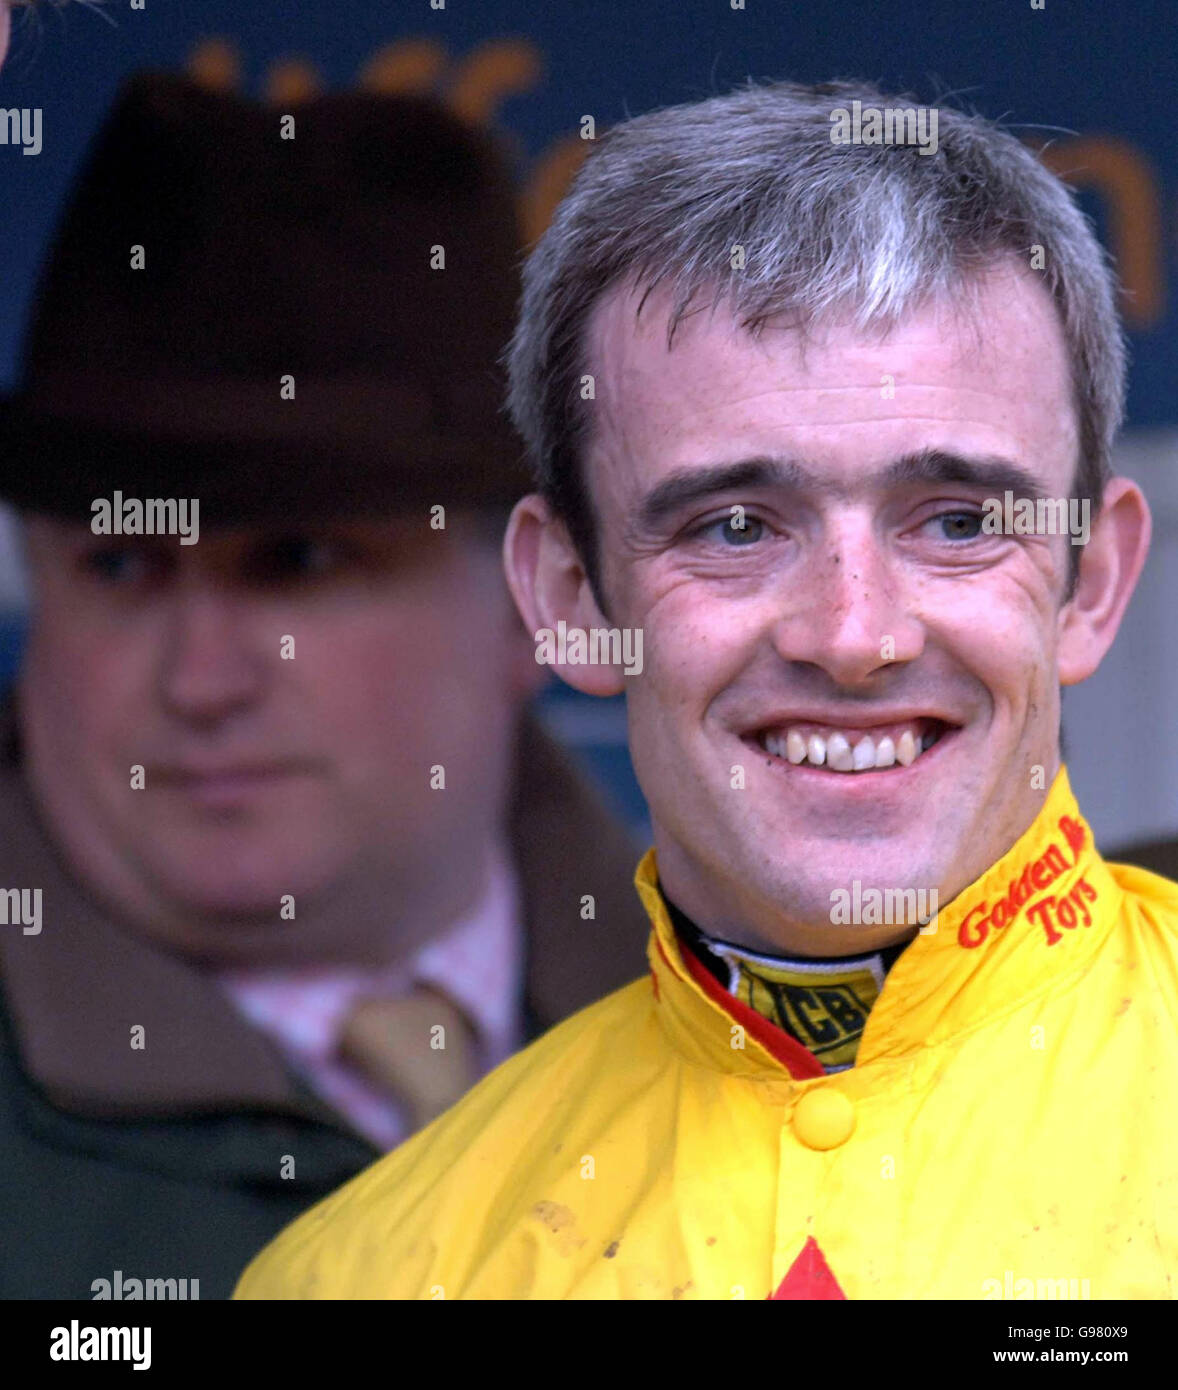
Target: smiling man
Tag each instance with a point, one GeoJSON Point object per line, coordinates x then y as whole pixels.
{"type": "Point", "coordinates": [773, 387]}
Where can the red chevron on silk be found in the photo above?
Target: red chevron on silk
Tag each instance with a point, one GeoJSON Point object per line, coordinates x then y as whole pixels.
{"type": "Point", "coordinates": [809, 1276]}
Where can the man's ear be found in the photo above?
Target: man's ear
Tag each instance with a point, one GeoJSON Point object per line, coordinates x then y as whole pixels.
{"type": "Point", "coordinates": [550, 587]}
{"type": "Point", "coordinates": [1109, 569]}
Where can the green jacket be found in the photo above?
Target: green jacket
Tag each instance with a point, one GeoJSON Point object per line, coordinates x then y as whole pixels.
{"type": "Point", "coordinates": [180, 1161]}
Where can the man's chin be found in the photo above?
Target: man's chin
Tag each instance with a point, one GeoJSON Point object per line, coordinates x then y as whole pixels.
{"type": "Point", "coordinates": [862, 833]}
{"type": "Point", "coordinates": [828, 889]}
{"type": "Point", "coordinates": [252, 888]}
{"type": "Point", "coordinates": [233, 905]}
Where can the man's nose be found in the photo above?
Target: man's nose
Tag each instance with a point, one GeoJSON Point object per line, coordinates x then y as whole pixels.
{"type": "Point", "coordinates": [852, 614]}
{"type": "Point", "coordinates": [210, 666]}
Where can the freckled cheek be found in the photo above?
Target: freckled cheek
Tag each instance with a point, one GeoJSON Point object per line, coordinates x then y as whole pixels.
{"type": "Point", "coordinates": [1010, 655]}
{"type": "Point", "coordinates": [694, 653]}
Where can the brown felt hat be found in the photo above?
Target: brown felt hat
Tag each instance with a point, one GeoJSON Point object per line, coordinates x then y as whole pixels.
{"type": "Point", "coordinates": [267, 259]}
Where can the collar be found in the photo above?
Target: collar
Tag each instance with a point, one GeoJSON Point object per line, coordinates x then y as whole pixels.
{"type": "Point", "coordinates": [74, 991]}
{"type": "Point", "coordinates": [476, 964]}
{"type": "Point", "coordinates": [822, 1003]}
{"type": "Point", "coordinates": [1037, 915]}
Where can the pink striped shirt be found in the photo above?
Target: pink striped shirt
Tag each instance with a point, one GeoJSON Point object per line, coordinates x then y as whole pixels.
{"type": "Point", "coordinates": [477, 964]}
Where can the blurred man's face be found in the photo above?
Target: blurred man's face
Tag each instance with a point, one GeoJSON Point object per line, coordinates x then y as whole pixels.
{"type": "Point", "coordinates": [268, 775]}
{"type": "Point", "coordinates": [860, 598]}
{"type": "Point", "coordinates": [5, 30]}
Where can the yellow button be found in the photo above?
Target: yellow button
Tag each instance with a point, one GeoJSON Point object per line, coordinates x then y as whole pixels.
{"type": "Point", "coordinates": [824, 1119]}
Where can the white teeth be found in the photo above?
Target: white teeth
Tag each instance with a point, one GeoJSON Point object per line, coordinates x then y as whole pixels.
{"type": "Point", "coordinates": [838, 753]}
{"type": "Point", "coordinates": [863, 754]}
{"type": "Point", "coordinates": [906, 748]}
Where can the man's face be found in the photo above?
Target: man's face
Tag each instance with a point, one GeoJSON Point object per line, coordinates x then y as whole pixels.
{"type": "Point", "coordinates": [860, 596]}
{"type": "Point", "coordinates": [287, 695]}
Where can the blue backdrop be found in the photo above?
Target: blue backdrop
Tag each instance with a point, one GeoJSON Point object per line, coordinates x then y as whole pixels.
{"type": "Point", "coordinates": [1103, 70]}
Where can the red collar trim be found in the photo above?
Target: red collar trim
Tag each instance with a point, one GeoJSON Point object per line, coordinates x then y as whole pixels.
{"type": "Point", "coordinates": [799, 1061]}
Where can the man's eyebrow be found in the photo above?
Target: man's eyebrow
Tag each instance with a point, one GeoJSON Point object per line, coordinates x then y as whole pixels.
{"type": "Point", "coordinates": [688, 486]}
{"type": "Point", "coordinates": [990, 472]}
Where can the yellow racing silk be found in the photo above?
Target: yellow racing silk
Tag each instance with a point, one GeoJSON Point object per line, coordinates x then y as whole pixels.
{"type": "Point", "coordinates": [1008, 1129]}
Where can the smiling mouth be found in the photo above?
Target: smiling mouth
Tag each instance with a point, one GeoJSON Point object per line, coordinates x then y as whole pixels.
{"type": "Point", "coordinates": [221, 788]}
{"type": "Point", "coordinates": [247, 773]}
{"type": "Point", "coordinates": [848, 750]}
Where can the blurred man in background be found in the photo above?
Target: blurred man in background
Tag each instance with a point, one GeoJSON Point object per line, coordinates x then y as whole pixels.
{"type": "Point", "coordinates": [286, 867]}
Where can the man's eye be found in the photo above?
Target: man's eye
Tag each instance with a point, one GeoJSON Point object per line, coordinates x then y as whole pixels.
{"type": "Point", "coordinates": [733, 530]}
{"type": "Point", "coordinates": [956, 526]}
{"type": "Point", "coordinates": [298, 557]}
{"type": "Point", "coordinates": [120, 564]}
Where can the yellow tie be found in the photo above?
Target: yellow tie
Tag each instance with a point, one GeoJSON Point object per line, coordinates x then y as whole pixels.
{"type": "Point", "coordinates": [420, 1048]}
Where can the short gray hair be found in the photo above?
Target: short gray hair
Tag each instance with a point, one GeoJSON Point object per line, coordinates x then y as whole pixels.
{"type": "Point", "coordinates": [869, 231]}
